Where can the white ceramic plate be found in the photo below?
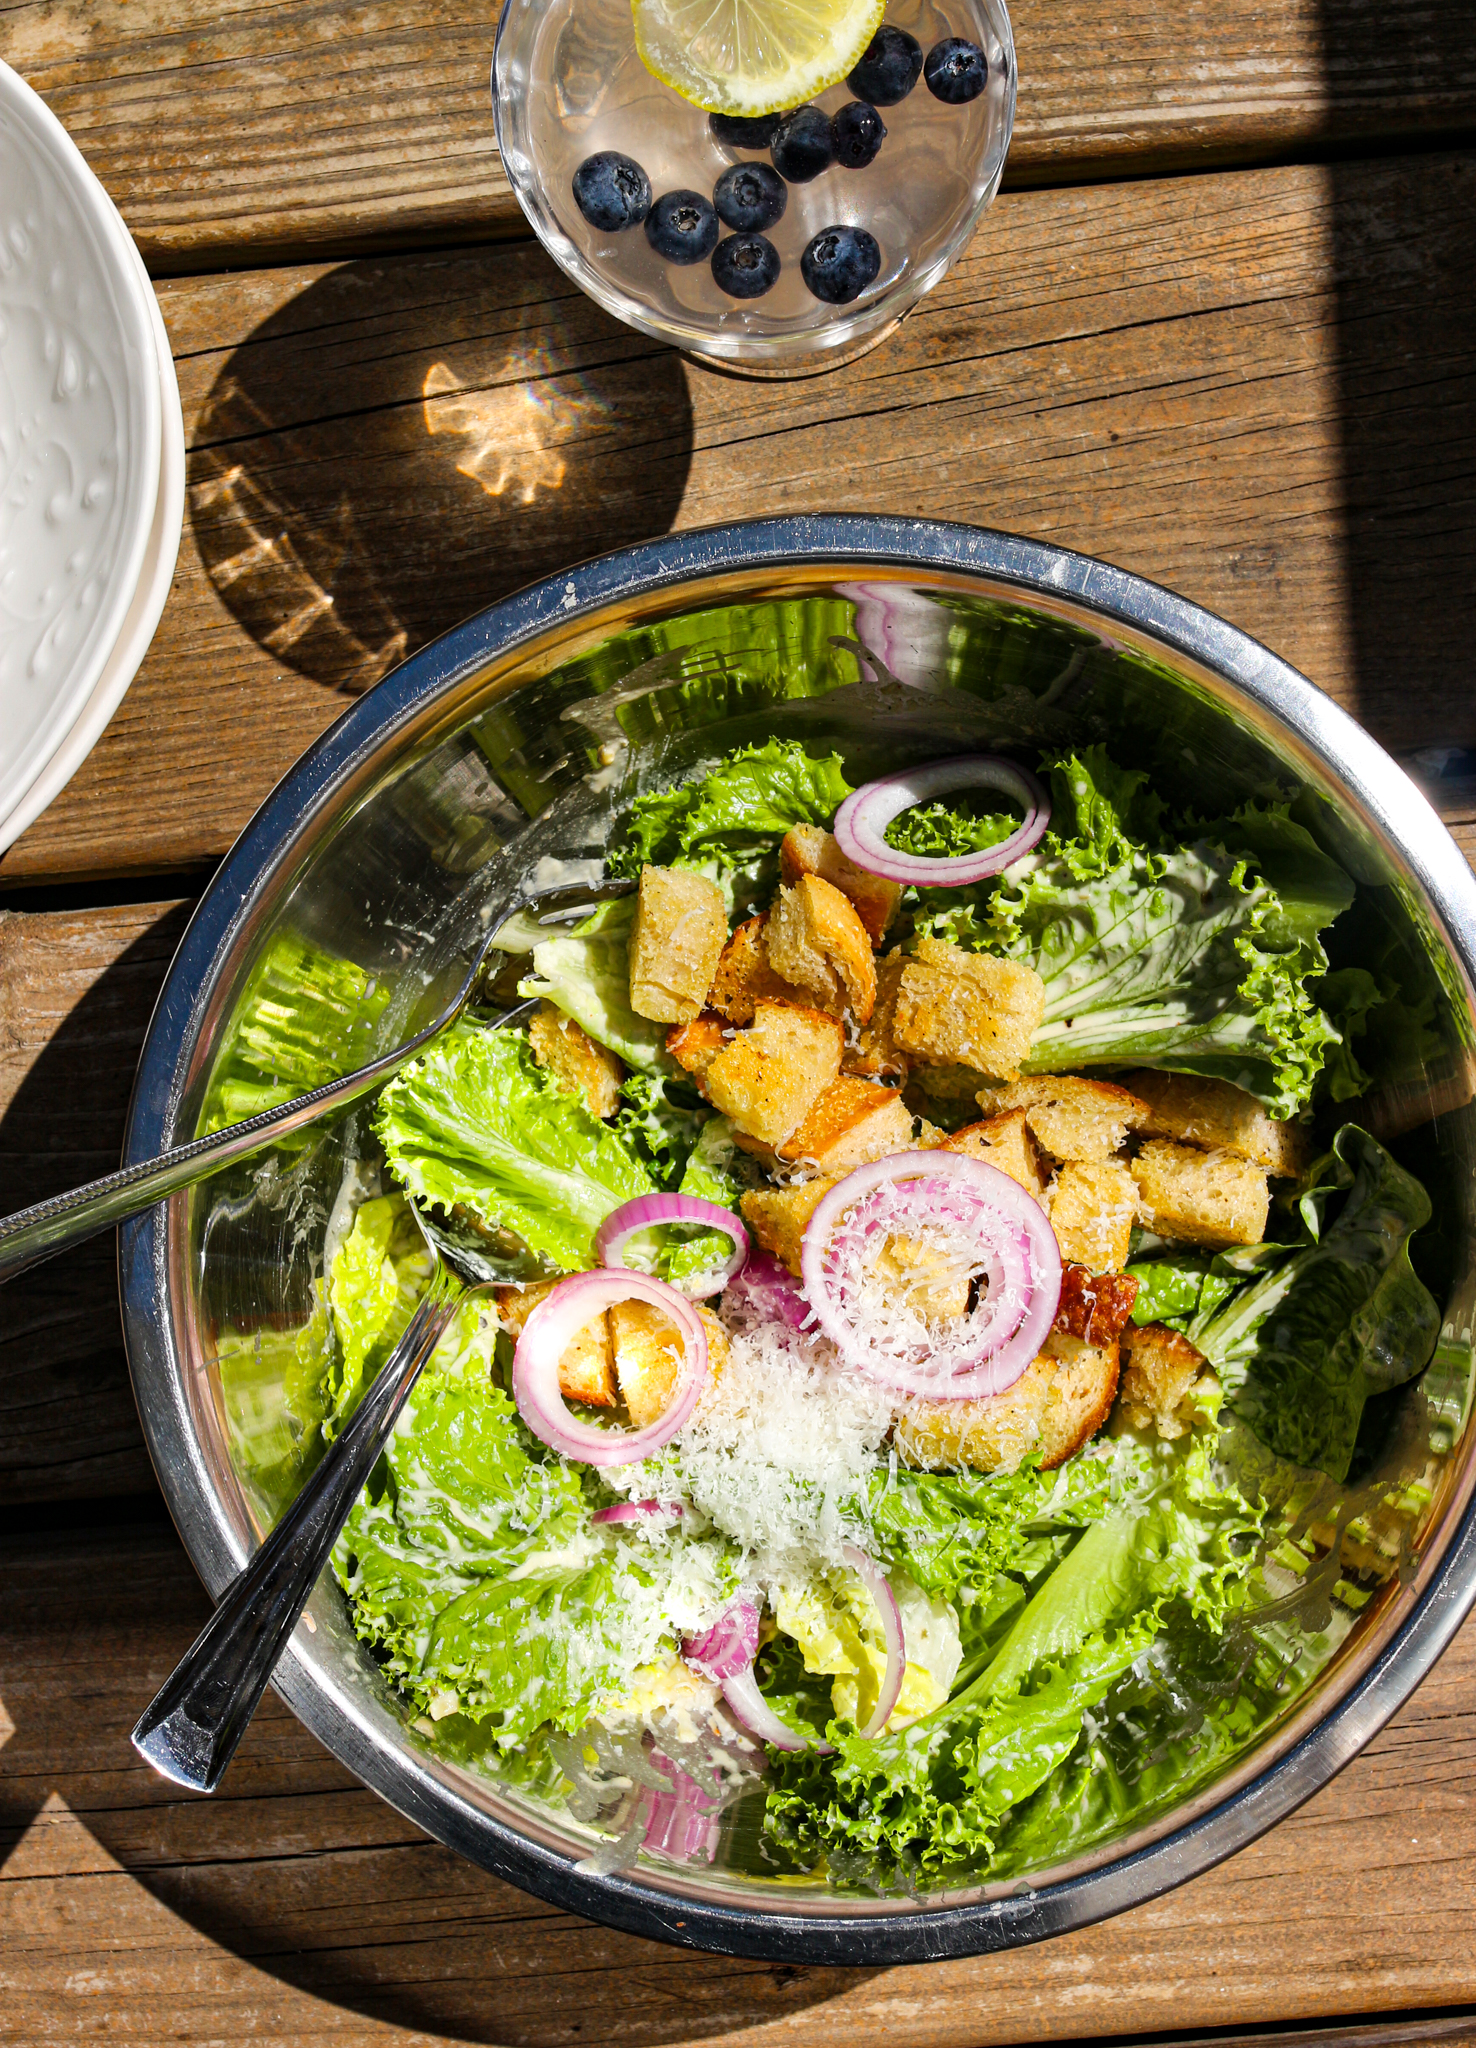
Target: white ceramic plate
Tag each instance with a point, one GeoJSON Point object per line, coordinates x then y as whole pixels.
{"type": "Point", "coordinates": [142, 616]}
{"type": "Point", "coordinates": [81, 437]}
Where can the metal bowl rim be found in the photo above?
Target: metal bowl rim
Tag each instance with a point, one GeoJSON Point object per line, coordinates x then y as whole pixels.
{"type": "Point", "coordinates": [847, 542]}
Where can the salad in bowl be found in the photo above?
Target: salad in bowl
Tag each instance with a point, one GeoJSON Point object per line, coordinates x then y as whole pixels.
{"type": "Point", "coordinates": [936, 1415]}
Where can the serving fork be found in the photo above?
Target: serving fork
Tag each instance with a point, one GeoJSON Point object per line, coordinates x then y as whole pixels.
{"type": "Point", "coordinates": [63, 1221]}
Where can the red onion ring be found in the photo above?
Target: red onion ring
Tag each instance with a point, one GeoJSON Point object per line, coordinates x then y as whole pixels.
{"type": "Point", "coordinates": [879, 1587]}
{"type": "Point", "coordinates": [682, 1823]}
{"type": "Point", "coordinates": [640, 1511]}
{"type": "Point", "coordinates": [646, 1211]}
{"type": "Point", "coordinates": [547, 1334]}
{"type": "Point", "coordinates": [728, 1647]}
{"type": "Point", "coordinates": [862, 820]}
{"type": "Point", "coordinates": [769, 1290]}
{"type": "Point", "coordinates": [1023, 1271]}
{"type": "Point", "coordinates": [758, 1717]}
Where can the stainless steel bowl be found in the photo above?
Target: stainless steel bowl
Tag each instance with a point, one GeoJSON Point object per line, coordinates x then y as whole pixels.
{"type": "Point", "coordinates": [386, 843]}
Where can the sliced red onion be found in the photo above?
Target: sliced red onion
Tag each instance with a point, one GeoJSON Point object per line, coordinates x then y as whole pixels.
{"type": "Point", "coordinates": [728, 1647]}
{"type": "Point", "coordinates": [862, 820]}
{"type": "Point", "coordinates": [879, 1587]}
{"type": "Point", "coordinates": [1013, 1251]}
{"type": "Point", "coordinates": [758, 1717]}
{"type": "Point", "coordinates": [646, 1211]}
{"type": "Point", "coordinates": [768, 1290]}
{"type": "Point", "coordinates": [646, 1511]}
{"type": "Point", "coordinates": [683, 1823]}
{"type": "Point", "coordinates": [552, 1327]}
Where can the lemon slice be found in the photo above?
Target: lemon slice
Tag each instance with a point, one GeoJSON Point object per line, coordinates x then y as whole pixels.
{"type": "Point", "coordinates": [753, 56]}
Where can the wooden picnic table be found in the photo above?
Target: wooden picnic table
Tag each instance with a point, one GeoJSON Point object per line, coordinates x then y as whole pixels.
{"type": "Point", "coordinates": [1220, 328]}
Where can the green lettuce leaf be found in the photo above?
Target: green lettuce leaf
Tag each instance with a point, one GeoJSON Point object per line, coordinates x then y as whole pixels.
{"type": "Point", "coordinates": [1324, 1325]}
{"type": "Point", "coordinates": [751, 797]}
{"type": "Point", "coordinates": [939, 831]}
{"type": "Point", "coordinates": [661, 1118]}
{"type": "Point", "coordinates": [716, 1172]}
{"type": "Point", "coordinates": [475, 1123]}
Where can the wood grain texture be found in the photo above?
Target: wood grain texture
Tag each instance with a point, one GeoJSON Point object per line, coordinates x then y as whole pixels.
{"type": "Point", "coordinates": [295, 1908]}
{"type": "Point", "coordinates": [1256, 387]}
{"type": "Point", "coordinates": [76, 992]}
{"type": "Point", "coordinates": [239, 132]}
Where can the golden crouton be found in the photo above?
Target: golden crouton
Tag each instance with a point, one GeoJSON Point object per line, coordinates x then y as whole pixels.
{"type": "Point", "coordinates": [1071, 1118]}
{"type": "Point", "coordinates": [767, 1077]}
{"type": "Point", "coordinates": [917, 1275]}
{"type": "Point", "coordinates": [744, 976]}
{"type": "Point", "coordinates": [777, 1217]}
{"type": "Point", "coordinates": [811, 850]}
{"type": "Point", "coordinates": [969, 1008]}
{"type": "Point", "coordinates": [575, 1061]}
{"type": "Point", "coordinates": [1094, 1306]}
{"type": "Point", "coordinates": [946, 1087]}
{"type": "Point", "coordinates": [1206, 1198]}
{"type": "Point", "coordinates": [1220, 1117]}
{"type": "Point", "coordinates": [1004, 1142]}
{"type": "Point", "coordinates": [851, 1123]}
{"type": "Point", "coordinates": [873, 1052]}
{"type": "Point", "coordinates": [696, 1045]}
{"type": "Point", "coordinates": [1093, 1205]}
{"type": "Point", "coordinates": [648, 1356]}
{"type": "Point", "coordinates": [818, 943]}
{"type": "Point", "coordinates": [1061, 1399]}
{"type": "Point", "coordinates": [586, 1369]}
{"type": "Point", "coordinates": [1159, 1368]}
{"type": "Point", "coordinates": [680, 931]}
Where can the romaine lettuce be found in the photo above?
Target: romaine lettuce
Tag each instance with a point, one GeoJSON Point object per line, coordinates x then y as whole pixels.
{"type": "Point", "coordinates": [751, 797]}
{"type": "Point", "coordinates": [475, 1123]}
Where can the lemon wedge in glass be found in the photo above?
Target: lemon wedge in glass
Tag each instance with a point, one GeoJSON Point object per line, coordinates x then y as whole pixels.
{"type": "Point", "coordinates": [753, 56]}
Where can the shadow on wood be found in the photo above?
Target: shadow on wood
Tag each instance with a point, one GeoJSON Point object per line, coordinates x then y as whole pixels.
{"type": "Point", "coordinates": [1406, 310]}
{"type": "Point", "coordinates": [402, 444]}
{"type": "Point", "coordinates": [293, 1868]}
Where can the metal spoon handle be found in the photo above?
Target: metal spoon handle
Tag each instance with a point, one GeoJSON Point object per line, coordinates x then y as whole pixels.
{"type": "Point", "coordinates": [191, 1730]}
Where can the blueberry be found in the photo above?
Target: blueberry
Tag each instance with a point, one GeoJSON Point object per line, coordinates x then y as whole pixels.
{"type": "Point", "coordinates": [745, 266]}
{"type": "Point", "coordinates": [750, 197]}
{"type": "Point", "coordinates": [857, 134]}
{"type": "Point", "coordinates": [801, 148]}
{"type": "Point", "coordinates": [840, 263]}
{"type": "Point", "coordinates": [956, 71]}
{"type": "Point", "coordinates": [682, 227]}
{"type": "Point", "coordinates": [611, 191]}
{"type": "Point", "coordinates": [743, 131]}
{"type": "Point", "coordinates": [889, 68]}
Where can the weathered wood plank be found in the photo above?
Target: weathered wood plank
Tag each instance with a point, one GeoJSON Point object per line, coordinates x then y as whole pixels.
{"type": "Point", "coordinates": [295, 1908]}
{"type": "Point", "coordinates": [76, 991]}
{"type": "Point", "coordinates": [1258, 388]}
{"type": "Point", "coordinates": [249, 131]}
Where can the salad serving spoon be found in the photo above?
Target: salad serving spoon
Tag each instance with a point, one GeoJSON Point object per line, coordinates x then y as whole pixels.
{"type": "Point", "coordinates": [191, 1729]}
{"type": "Point", "coordinates": [64, 1221]}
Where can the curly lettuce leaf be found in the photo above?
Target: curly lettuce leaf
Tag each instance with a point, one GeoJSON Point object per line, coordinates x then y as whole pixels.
{"type": "Point", "coordinates": [1324, 1325]}
{"type": "Point", "coordinates": [939, 831]}
{"type": "Point", "coordinates": [1180, 957]}
{"type": "Point", "coordinates": [661, 1119]}
{"type": "Point", "coordinates": [753, 795]}
{"type": "Point", "coordinates": [477, 1124]}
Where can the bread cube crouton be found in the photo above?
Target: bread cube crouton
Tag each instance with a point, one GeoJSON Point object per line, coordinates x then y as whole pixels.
{"type": "Point", "coordinates": [647, 1347]}
{"type": "Point", "coordinates": [696, 1045]}
{"type": "Point", "coordinates": [768, 1077]}
{"type": "Point", "coordinates": [811, 850]}
{"type": "Point", "coordinates": [918, 1276]}
{"type": "Point", "coordinates": [575, 1061]}
{"type": "Point", "coordinates": [1061, 1399]}
{"type": "Point", "coordinates": [777, 1217]}
{"type": "Point", "coordinates": [1220, 1117]}
{"type": "Point", "coordinates": [851, 1123]}
{"type": "Point", "coordinates": [1095, 1307]}
{"type": "Point", "coordinates": [872, 1052]}
{"type": "Point", "coordinates": [744, 976]}
{"type": "Point", "coordinates": [1071, 1118]}
{"type": "Point", "coordinates": [1004, 1142]}
{"type": "Point", "coordinates": [587, 1368]}
{"type": "Point", "coordinates": [1159, 1368]}
{"type": "Point", "coordinates": [680, 930]}
{"type": "Point", "coordinates": [1205, 1198]}
{"type": "Point", "coordinates": [818, 943]}
{"type": "Point", "coordinates": [1093, 1205]}
{"type": "Point", "coordinates": [968, 1008]}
